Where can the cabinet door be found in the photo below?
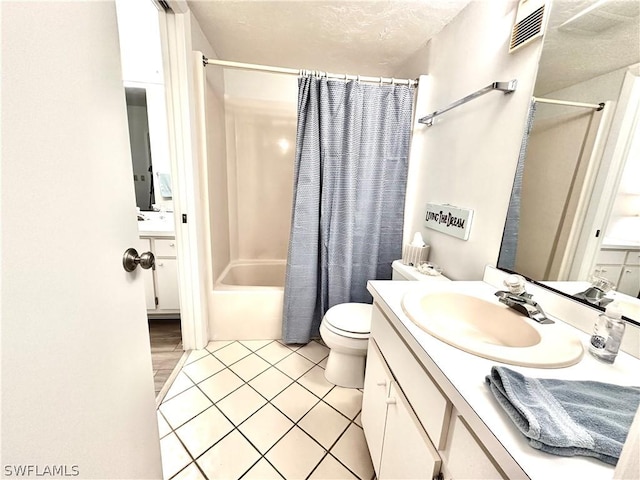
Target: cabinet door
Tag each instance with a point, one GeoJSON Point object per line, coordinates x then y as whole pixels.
{"type": "Point", "coordinates": [164, 247]}
{"type": "Point", "coordinates": [407, 452]}
{"type": "Point", "coordinates": [633, 257]}
{"type": "Point", "coordinates": [377, 380]}
{"type": "Point", "coordinates": [464, 457]}
{"type": "Point", "coordinates": [630, 280]}
{"type": "Point", "coordinates": [610, 272]}
{"type": "Point", "coordinates": [167, 284]}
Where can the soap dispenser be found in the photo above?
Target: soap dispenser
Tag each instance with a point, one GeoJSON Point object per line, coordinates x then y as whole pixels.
{"type": "Point", "coordinates": [607, 334]}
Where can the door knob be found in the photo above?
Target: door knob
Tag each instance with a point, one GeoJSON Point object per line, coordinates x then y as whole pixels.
{"type": "Point", "coordinates": [131, 259]}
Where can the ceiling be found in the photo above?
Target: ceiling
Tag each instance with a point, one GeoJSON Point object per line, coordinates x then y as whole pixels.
{"type": "Point", "coordinates": [606, 39]}
{"type": "Point", "coordinates": [362, 37]}
{"type": "Point", "coordinates": [375, 37]}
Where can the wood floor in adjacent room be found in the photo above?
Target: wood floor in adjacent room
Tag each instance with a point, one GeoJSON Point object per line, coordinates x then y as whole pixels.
{"type": "Point", "coordinates": [166, 349]}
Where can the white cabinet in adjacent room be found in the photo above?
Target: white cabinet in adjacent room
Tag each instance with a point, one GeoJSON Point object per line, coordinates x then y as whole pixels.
{"type": "Point", "coordinates": [161, 285]}
{"type": "Point", "coordinates": [622, 267]}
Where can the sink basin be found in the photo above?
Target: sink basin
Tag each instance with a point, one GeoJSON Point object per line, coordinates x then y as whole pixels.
{"type": "Point", "coordinates": [491, 330]}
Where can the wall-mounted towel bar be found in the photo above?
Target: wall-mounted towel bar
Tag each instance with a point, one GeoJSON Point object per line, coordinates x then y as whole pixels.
{"type": "Point", "coordinates": [506, 87]}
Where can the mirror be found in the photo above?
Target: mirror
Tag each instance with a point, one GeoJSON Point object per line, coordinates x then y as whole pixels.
{"type": "Point", "coordinates": [148, 140]}
{"type": "Point", "coordinates": [140, 147]}
{"type": "Point", "coordinates": [577, 213]}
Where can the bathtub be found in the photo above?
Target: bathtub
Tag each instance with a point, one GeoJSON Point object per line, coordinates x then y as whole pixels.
{"type": "Point", "coordinates": [246, 301]}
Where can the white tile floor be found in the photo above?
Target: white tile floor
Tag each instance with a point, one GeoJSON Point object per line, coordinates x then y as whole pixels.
{"type": "Point", "coordinates": [261, 410]}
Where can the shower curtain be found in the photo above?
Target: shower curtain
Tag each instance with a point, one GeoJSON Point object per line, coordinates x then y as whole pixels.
{"type": "Point", "coordinates": [508, 249]}
{"type": "Point", "coordinates": [349, 185]}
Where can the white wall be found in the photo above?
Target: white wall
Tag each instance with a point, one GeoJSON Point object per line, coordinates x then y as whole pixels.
{"type": "Point", "coordinates": [139, 34]}
{"type": "Point", "coordinates": [468, 158]}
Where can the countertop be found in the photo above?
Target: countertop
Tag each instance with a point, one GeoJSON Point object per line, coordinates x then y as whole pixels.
{"type": "Point", "coordinates": [156, 224]}
{"type": "Point", "coordinates": [616, 244]}
{"type": "Point", "coordinates": [464, 381]}
{"type": "Point", "coordinates": [630, 305]}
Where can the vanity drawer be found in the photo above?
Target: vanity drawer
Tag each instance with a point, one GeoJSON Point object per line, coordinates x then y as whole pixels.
{"type": "Point", "coordinates": [430, 405]}
{"type": "Point", "coordinates": [633, 257]}
{"type": "Point", "coordinates": [611, 257]}
{"type": "Point", "coordinates": [164, 247]}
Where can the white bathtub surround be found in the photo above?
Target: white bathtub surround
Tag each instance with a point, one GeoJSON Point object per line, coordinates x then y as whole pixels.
{"type": "Point", "coordinates": [460, 379]}
{"type": "Point", "coordinates": [260, 409]}
{"type": "Point", "coordinates": [246, 302]}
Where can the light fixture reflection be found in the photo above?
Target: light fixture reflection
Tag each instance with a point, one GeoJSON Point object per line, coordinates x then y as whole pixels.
{"type": "Point", "coordinates": [283, 143]}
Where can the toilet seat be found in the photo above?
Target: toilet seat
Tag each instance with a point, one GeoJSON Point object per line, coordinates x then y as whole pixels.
{"type": "Point", "coordinates": [351, 320]}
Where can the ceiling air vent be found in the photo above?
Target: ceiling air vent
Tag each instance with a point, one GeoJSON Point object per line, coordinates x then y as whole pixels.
{"type": "Point", "coordinates": [529, 25]}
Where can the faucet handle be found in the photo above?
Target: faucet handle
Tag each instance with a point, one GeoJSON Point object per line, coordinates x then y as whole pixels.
{"type": "Point", "coordinates": [515, 284]}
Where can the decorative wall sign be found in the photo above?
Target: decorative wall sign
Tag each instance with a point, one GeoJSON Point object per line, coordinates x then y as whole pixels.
{"type": "Point", "coordinates": [448, 219]}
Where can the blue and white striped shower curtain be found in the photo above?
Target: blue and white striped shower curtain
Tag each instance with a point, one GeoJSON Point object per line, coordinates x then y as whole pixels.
{"type": "Point", "coordinates": [509, 246]}
{"type": "Point", "coordinates": [349, 185]}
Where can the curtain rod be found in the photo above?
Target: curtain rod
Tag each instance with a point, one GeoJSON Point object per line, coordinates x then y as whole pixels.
{"type": "Point", "coordinates": [292, 71]}
{"type": "Point", "coordinates": [596, 106]}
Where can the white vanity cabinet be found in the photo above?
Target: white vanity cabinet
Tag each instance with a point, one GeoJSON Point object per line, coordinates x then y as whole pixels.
{"type": "Point", "coordinates": [161, 285]}
{"type": "Point", "coordinates": [399, 446]}
{"type": "Point", "coordinates": [622, 267]}
{"type": "Point", "coordinates": [411, 427]}
{"type": "Point", "coordinates": [630, 276]}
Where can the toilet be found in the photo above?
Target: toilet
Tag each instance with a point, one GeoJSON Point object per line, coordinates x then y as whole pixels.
{"type": "Point", "coordinates": [345, 329]}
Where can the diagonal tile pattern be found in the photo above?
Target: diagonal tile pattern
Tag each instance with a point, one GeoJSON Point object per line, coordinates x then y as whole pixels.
{"type": "Point", "coordinates": [261, 409]}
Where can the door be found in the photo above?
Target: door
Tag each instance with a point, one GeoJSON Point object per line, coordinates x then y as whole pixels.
{"type": "Point", "coordinates": [377, 380]}
{"type": "Point", "coordinates": [407, 451]}
{"type": "Point", "coordinates": [77, 385]}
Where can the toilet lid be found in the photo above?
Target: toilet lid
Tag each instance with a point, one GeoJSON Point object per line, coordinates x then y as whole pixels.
{"type": "Point", "coordinates": [350, 317]}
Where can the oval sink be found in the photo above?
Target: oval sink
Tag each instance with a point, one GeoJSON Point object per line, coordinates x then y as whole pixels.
{"type": "Point", "coordinates": [491, 330]}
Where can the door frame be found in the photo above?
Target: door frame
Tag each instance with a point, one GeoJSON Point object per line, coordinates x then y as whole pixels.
{"type": "Point", "coordinates": [624, 126]}
{"type": "Point", "coordinates": [188, 195]}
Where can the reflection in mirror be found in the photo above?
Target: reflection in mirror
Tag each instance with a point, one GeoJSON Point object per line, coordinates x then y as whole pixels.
{"type": "Point", "coordinates": [574, 216]}
{"type": "Point", "coordinates": [140, 147]}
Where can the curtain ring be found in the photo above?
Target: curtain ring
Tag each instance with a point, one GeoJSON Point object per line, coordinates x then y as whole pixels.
{"type": "Point", "coordinates": [358, 78]}
{"type": "Point", "coordinates": [393, 81]}
{"type": "Point", "coordinates": [345, 78]}
{"type": "Point", "coordinates": [380, 81]}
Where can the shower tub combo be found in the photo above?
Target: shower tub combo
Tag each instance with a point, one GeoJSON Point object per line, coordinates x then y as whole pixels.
{"type": "Point", "coordinates": [246, 301]}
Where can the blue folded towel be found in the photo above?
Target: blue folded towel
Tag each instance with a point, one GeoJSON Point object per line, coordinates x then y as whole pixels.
{"type": "Point", "coordinates": [566, 417]}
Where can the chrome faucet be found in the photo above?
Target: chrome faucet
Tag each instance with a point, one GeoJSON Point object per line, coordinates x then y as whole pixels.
{"type": "Point", "coordinates": [517, 298]}
{"type": "Point", "coordinates": [595, 294]}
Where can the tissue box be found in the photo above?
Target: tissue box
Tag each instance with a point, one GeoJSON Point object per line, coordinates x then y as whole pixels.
{"type": "Point", "coordinates": [414, 255]}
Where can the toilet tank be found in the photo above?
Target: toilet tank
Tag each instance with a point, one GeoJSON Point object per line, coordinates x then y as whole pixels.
{"type": "Point", "coordinates": [401, 271]}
